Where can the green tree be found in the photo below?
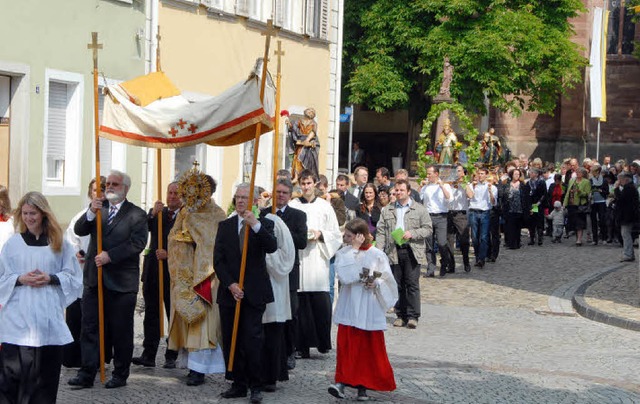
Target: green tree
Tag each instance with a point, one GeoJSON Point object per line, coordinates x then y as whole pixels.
{"type": "Point", "coordinates": [634, 6]}
{"type": "Point", "coordinates": [517, 53]}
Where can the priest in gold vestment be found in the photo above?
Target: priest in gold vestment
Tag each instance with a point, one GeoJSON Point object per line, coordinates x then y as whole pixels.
{"type": "Point", "coordinates": [194, 324]}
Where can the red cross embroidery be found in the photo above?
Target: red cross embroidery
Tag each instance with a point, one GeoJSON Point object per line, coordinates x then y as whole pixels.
{"type": "Point", "coordinates": [173, 132]}
{"type": "Point", "coordinates": [181, 123]}
{"type": "Point", "coordinates": [193, 128]}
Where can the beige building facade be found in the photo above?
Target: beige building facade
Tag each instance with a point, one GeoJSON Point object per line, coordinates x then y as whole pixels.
{"type": "Point", "coordinates": [208, 46]}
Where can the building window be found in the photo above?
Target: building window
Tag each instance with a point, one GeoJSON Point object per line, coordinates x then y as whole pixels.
{"type": "Point", "coordinates": [185, 156]}
{"type": "Point", "coordinates": [621, 30]}
{"type": "Point", "coordinates": [317, 19]}
{"type": "Point", "coordinates": [63, 132]}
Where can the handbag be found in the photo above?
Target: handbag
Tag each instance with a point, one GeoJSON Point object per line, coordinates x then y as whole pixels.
{"type": "Point", "coordinates": [584, 209]}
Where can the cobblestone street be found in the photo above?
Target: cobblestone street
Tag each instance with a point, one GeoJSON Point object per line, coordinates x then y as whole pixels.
{"type": "Point", "coordinates": [506, 333]}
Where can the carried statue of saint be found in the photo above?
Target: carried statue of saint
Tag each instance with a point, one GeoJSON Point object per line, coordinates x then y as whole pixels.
{"type": "Point", "coordinates": [491, 148]}
{"type": "Point", "coordinates": [445, 146]}
{"type": "Point", "coordinates": [303, 134]}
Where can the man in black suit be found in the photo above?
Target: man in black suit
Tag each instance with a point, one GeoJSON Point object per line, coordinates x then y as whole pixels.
{"type": "Point", "coordinates": [351, 202]}
{"type": "Point", "coordinates": [124, 236]}
{"type": "Point", "coordinates": [296, 221]}
{"type": "Point", "coordinates": [151, 282]}
{"type": "Point", "coordinates": [257, 291]}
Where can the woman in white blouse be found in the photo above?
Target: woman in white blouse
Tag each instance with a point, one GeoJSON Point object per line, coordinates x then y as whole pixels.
{"type": "Point", "coordinates": [39, 277]}
{"type": "Point", "coordinates": [368, 289]}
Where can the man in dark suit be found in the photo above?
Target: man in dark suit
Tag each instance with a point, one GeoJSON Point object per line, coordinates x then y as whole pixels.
{"type": "Point", "coordinates": [124, 236]}
{"type": "Point", "coordinates": [257, 291]}
{"type": "Point", "coordinates": [351, 202]}
{"type": "Point", "coordinates": [296, 221]}
{"type": "Point", "coordinates": [151, 281]}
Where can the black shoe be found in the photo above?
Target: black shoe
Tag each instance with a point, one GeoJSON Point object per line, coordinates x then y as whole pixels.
{"type": "Point", "coordinates": [304, 354]}
{"type": "Point", "coordinates": [256, 396]}
{"type": "Point", "coordinates": [324, 351]}
{"type": "Point", "coordinates": [169, 364]}
{"type": "Point", "coordinates": [491, 259]}
{"type": "Point", "coordinates": [480, 264]}
{"type": "Point", "coordinates": [540, 241]}
{"type": "Point", "coordinates": [115, 382]}
{"type": "Point", "coordinates": [195, 378]}
{"type": "Point", "coordinates": [291, 362]}
{"type": "Point", "coordinates": [443, 272]}
{"type": "Point", "coordinates": [269, 388]}
{"type": "Point", "coordinates": [143, 361]}
{"type": "Point", "coordinates": [467, 268]}
{"type": "Point", "coordinates": [234, 392]}
{"type": "Point", "coordinates": [430, 273]}
{"type": "Point", "coordinates": [81, 382]}
{"type": "Point", "coordinates": [532, 242]}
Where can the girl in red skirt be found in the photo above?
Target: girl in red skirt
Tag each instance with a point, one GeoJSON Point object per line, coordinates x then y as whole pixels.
{"type": "Point", "coordinates": [368, 289]}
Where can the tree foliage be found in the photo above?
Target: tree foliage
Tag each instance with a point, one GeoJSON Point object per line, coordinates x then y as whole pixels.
{"type": "Point", "coordinates": [634, 6]}
{"type": "Point", "coordinates": [518, 53]}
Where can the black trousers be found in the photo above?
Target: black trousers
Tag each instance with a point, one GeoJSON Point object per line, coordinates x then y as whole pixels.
{"type": "Point", "coordinates": [151, 323]}
{"type": "Point", "coordinates": [458, 225]}
{"type": "Point", "coordinates": [247, 363]}
{"type": "Point", "coordinates": [290, 326]}
{"type": "Point", "coordinates": [314, 321]}
{"type": "Point", "coordinates": [535, 224]}
{"type": "Point", "coordinates": [29, 375]}
{"type": "Point", "coordinates": [494, 234]}
{"type": "Point", "coordinates": [407, 275]}
{"type": "Point", "coordinates": [274, 356]}
{"type": "Point", "coordinates": [512, 227]}
{"type": "Point", "coordinates": [598, 221]}
{"type": "Point", "coordinates": [71, 356]}
{"type": "Point", "coordinates": [118, 320]}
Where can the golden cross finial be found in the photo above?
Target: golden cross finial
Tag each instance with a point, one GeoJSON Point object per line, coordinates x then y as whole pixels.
{"type": "Point", "coordinates": [94, 45]}
{"type": "Point", "coordinates": [270, 30]}
{"type": "Point", "coordinates": [279, 52]}
{"type": "Point", "coordinates": [196, 165]}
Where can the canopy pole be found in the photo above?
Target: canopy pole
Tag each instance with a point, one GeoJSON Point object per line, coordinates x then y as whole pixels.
{"type": "Point", "coordinates": [94, 46]}
{"type": "Point", "coordinates": [276, 131]}
{"type": "Point", "coordinates": [270, 31]}
{"type": "Point", "coordinates": [159, 191]}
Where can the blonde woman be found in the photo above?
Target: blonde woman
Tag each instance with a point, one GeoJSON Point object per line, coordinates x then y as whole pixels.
{"type": "Point", "coordinates": [39, 277]}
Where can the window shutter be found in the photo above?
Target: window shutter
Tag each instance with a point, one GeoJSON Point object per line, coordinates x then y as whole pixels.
{"type": "Point", "coordinates": [242, 8]}
{"type": "Point", "coordinates": [279, 11]}
{"type": "Point", "coordinates": [56, 125]}
{"type": "Point", "coordinates": [309, 18]}
{"type": "Point", "coordinates": [324, 20]}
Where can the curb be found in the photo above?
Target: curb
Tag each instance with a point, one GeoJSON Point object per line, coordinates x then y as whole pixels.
{"type": "Point", "coordinates": [588, 311]}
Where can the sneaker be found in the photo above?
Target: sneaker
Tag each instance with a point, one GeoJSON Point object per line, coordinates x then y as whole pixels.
{"type": "Point", "coordinates": [412, 323]}
{"type": "Point", "coordinates": [362, 394]}
{"type": "Point", "coordinates": [337, 390]}
{"type": "Point", "coordinates": [399, 323]}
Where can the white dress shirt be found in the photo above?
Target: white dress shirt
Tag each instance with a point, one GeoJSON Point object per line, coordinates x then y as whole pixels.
{"type": "Point", "coordinates": [433, 198]}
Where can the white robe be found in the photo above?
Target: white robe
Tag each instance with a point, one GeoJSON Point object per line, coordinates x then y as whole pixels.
{"type": "Point", "coordinates": [6, 231]}
{"type": "Point", "coordinates": [314, 259]}
{"type": "Point", "coordinates": [358, 306]}
{"type": "Point", "coordinates": [78, 243]}
{"type": "Point", "coordinates": [279, 264]}
{"type": "Point", "coordinates": [35, 316]}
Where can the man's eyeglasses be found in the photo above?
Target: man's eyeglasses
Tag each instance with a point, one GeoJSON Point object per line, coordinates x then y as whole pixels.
{"type": "Point", "coordinates": [113, 184]}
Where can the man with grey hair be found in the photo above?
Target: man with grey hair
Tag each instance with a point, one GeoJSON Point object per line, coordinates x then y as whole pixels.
{"type": "Point", "coordinates": [124, 236]}
{"type": "Point", "coordinates": [255, 293]}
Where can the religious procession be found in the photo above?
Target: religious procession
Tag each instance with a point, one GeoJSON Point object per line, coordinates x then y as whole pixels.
{"type": "Point", "coordinates": [299, 257]}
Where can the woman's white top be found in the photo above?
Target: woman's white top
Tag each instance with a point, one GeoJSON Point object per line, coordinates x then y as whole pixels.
{"type": "Point", "coordinates": [32, 316]}
{"type": "Point", "coordinates": [358, 306]}
{"type": "Point", "coordinates": [6, 231]}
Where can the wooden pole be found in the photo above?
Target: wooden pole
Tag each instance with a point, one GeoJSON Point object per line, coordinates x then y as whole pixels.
{"type": "Point", "coordinates": [276, 131]}
{"type": "Point", "coordinates": [243, 264]}
{"type": "Point", "coordinates": [94, 46]}
{"type": "Point", "coordinates": [159, 192]}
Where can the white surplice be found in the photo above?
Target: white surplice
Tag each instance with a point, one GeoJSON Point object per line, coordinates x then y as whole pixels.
{"type": "Point", "coordinates": [279, 265]}
{"type": "Point", "coordinates": [35, 316]}
{"type": "Point", "coordinates": [314, 259]}
{"type": "Point", "coordinates": [358, 306]}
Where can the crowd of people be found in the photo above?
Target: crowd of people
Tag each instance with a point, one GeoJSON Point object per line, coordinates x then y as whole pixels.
{"type": "Point", "coordinates": [249, 293]}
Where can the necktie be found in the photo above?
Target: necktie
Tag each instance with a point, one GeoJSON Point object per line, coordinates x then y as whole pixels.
{"type": "Point", "coordinates": [112, 214]}
{"type": "Point", "coordinates": [173, 215]}
{"type": "Point", "coordinates": [279, 213]}
{"type": "Point", "coordinates": [241, 234]}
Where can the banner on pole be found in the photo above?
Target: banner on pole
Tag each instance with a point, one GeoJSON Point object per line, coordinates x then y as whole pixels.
{"type": "Point", "coordinates": [598, 62]}
{"type": "Point", "coordinates": [172, 121]}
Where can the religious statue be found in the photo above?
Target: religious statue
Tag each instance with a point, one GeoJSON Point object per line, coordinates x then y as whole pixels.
{"type": "Point", "coordinates": [491, 148]}
{"type": "Point", "coordinates": [447, 78]}
{"type": "Point", "coordinates": [304, 136]}
{"type": "Point", "coordinates": [445, 146]}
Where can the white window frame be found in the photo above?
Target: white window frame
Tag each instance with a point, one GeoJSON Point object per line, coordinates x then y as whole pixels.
{"type": "Point", "coordinates": [118, 149]}
{"type": "Point", "coordinates": [70, 184]}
